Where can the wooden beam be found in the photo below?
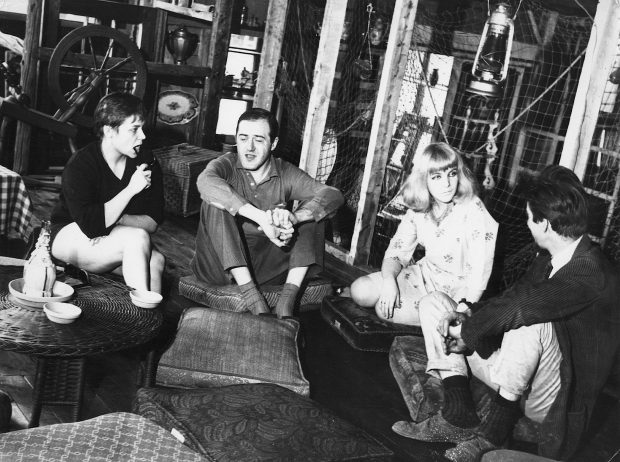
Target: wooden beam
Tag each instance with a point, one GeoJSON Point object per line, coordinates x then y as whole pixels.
{"type": "Point", "coordinates": [270, 56]}
{"type": "Point", "coordinates": [18, 111]}
{"type": "Point", "coordinates": [216, 60]}
{"type": "Point", "coordinates": [29, 77]}
{"type": "Point", "coordinates": [106, 10]}
{"type": "Point", "coordinates": [600, 54]}
{"type": "Point", "coordinates": [324, 70]}
{"type": "Point", "coordinates": [465, 44]}
{"type": "Point", "coordinates": [345, 274]}
{"type": "Point", "coordinates": [399, 41]}
{"type": "Point", "coordinates": [153, 68]}
{"type": "Point", "coordinates": [550, 26]}
{"type": "Point", "coordinates": [455, 77]}
{"type": "Point", "coordinates": [534, 26]}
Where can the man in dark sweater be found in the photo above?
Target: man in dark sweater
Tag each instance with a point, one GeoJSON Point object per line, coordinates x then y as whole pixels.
{"type": "Point", "coordinates": [247, 234]}
{"type": "Point", "coordinates": [545, 346]}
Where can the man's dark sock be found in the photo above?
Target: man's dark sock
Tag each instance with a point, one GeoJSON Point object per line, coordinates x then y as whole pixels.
{"type": "Point", "coordinates": [253, 298]}
{"type": "Point", "coordinates": [458, 406]}
{"type": "Point", "coordinates": [286, 302]}
{"type": "Point", "coordinates": [499, 423]}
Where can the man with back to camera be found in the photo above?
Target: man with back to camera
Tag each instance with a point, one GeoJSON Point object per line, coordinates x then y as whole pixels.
{"type": "Point", "coordinates": [545, 346]}
{"type": "Point", "coordinates": [245, 231]}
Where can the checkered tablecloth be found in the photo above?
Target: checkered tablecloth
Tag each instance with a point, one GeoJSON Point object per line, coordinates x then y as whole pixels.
{"type": "Point", "coordinates": [15, 205]}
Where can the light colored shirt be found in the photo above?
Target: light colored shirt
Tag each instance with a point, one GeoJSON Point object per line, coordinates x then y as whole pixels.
{"type": "Point", "coordinates": [563, 257]}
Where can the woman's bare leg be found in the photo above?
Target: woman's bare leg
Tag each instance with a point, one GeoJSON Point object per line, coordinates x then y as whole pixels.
{"type": "Point", "coordinates": [156, 268]}
{"type": "Point", "coordinates": [125, 246]}
{"type": "Point", "coordinates": [365, 290]}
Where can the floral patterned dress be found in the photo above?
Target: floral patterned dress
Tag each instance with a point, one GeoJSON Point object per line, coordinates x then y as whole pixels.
{"type": "Point", "coordinates": [459, 252]}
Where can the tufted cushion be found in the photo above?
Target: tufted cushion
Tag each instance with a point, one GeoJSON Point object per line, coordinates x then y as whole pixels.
{"type": "Point", "coordinates": [214, 347]}
{"type": "Point", "coordinates": [229, 297]}
{"type": "Point", "coordinates": [117, 436]}
{"type": "Point", "coordinates": [257, 422]}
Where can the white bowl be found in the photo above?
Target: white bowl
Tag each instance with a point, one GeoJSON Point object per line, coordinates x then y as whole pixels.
{"type": "Point", "coordinates": [60, 292]}
{"type": "Point", "coordinates": [145, 298]}
{"type": "Point", "coordinates": [61, 313]}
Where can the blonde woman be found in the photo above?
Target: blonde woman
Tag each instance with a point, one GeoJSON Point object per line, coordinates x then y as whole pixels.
{"type": "Point", "coordinates": [458, 234]}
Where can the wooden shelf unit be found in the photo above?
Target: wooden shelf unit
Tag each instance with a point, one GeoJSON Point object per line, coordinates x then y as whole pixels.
{"type": "Point", "coordinates": [202, 76]}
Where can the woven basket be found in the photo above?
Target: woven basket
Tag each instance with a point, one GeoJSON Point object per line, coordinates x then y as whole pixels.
{"type": "Point", "coordinates": [181, 164]}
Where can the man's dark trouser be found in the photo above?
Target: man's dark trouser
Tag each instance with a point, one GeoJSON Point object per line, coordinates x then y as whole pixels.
{"type": "Point", "coordinates": [224, 242]}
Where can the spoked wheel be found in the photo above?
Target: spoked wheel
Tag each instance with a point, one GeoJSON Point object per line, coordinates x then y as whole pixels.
{"type": "Point", "coordinates": [87, 64]}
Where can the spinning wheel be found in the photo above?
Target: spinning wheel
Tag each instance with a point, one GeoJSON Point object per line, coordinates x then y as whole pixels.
{"type": "Point", "coordinates": [88, 63]}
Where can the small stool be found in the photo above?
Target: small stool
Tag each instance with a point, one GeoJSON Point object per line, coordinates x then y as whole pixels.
{"type": "Point", "coordinates": [257, 422]}
{"type": "Point", "coordinates": [229, 297]}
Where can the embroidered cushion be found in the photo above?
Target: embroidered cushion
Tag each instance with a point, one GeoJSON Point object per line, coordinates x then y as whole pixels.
{"type": "Point", "coordinates": [257, 422]}
{"type": "Point", "coordinates": [214, 348]}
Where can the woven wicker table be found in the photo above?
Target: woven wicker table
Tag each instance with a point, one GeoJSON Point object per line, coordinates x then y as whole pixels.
{"type": "Point", "coordinates": [109, 322]}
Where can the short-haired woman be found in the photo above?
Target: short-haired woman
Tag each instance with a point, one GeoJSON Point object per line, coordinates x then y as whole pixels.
{"type": "Point", "coordinates": [458, 234]}
{"type": "Point", "coordinates": [110, 201]}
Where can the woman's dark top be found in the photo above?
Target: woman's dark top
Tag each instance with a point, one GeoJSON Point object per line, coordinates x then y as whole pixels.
{"type": "Point", "coordinates": [88, 183]}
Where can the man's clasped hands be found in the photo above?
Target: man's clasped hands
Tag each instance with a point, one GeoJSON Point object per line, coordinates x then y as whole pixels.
{"type": "Point", "coordinates": [449, 327]}
{"type": "Point", "coordinates": [280, 226]}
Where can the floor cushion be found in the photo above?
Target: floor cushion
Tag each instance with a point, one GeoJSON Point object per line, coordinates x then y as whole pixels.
{"type": "Point", "coordinates": [423, 394]}
{"type": "Point", "coordinates": [257, 422]}
{"type": "Point", "coordinates": [229, 297]}
{"type": "Point", "coordinates": [116, 436]}
{"type": "Point", "coordinates": [214, 347]}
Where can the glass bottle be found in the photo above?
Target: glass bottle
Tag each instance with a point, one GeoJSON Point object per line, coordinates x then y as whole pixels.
{"type": "Point", "coordinates": [244, 14]}
{"type": "Point", "coordinates": [39, 270]}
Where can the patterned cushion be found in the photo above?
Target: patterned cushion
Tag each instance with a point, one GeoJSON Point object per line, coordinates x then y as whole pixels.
{"type": "Point", "coordinates": [257, 422]}
{"type": "Point", "coordinates": [117, 436]}
{"type": "Point", "coordinates": [214, 347]}
{"type": "Point", "coordinates": [229, 297]}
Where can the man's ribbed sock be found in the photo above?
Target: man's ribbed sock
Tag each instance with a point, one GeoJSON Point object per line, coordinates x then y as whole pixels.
{"type": "Point", "coordinates": [499, 423]}
{"type": "Point", "coordinates": [253, 298]}
{"type": "Point", "coordinates": [458, 406]}
{"type": "Point", "coordinates": [286, 302]}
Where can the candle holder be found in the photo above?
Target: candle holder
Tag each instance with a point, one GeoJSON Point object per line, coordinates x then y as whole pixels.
{"type": "Point", "coordinates": [181, 44]}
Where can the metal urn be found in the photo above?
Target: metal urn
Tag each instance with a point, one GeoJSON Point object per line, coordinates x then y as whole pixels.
{"type": "Point", "coordinates": [181, 44]}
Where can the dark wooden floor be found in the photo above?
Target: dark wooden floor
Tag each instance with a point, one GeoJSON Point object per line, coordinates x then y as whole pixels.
{"type": "Point", "coordinates": [358, 386]}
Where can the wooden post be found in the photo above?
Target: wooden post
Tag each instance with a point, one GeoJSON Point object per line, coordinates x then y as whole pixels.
{"type": "Point", "coordinates": [29, 77]}
{"type": "Point", "coordinates": [324, 71]}
{"type": "Point", "coordinates": [270, 56]}
{"type": "Point", "coordinates": [599, 59]}
{"type": "Point", "coordinates": [455, 77]}
{"type": "Point", "coordinates": [216, 60]}
{"type": "Point", "coordinates": [51, 23]}
{"type": "Point", "coordinates": [396, 53]}
{"type": "Point", "coordinates": [511, 115]}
